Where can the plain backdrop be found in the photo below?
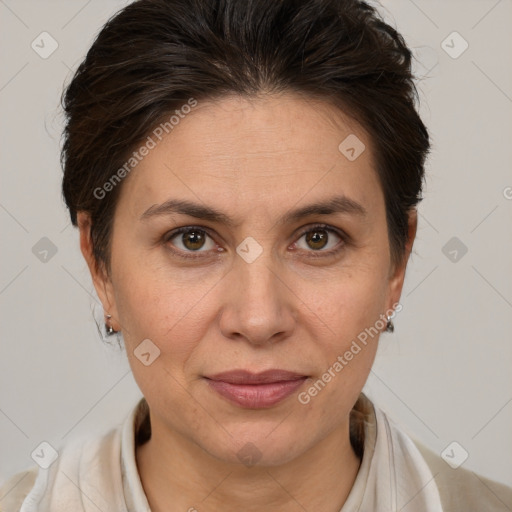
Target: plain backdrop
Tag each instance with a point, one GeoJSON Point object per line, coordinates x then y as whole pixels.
{"type": "Point", "coordinates": [444, 375]}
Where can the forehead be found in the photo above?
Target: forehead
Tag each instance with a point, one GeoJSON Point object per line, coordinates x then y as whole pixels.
{"type": "Point", "coordinates": [260, 153]}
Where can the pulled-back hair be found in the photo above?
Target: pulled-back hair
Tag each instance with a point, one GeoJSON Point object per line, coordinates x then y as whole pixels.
{"type": "Point", "coordinates": [153, 56]}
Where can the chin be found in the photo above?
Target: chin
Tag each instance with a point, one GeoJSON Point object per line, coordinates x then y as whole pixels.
{"type": "Point", "coordinates": [260, 445]}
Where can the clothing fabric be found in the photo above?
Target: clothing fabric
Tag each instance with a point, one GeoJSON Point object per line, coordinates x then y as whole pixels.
{"type": "Point", "coordinates": [396, 474]}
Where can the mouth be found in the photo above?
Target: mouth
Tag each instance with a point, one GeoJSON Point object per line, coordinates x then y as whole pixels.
{"type": "Point", "coordinates": [255, 390]}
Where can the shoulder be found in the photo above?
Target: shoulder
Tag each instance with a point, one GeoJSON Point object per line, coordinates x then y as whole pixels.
{"type": "Point", "coordinates": [463, 489]}
{"type": "Point", "coordinates": [53, 488]}
{"type": "Point", "coordinates": [16, 489]}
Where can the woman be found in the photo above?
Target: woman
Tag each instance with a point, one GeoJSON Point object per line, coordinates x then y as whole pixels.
{"type": "Point", "coordinates": [244, 177]}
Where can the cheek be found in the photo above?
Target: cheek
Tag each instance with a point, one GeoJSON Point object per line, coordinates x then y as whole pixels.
{"type": "Point", "coordinates": [155, 310]}
{"type": "Point", "coordinates": [348, 302]}
{"type": "Point", "coordinates": [351, 308]}
{"type": "Point", "coordinates": [154, 303]}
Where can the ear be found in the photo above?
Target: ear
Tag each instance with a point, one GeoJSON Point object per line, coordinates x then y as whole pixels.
{"type": "Point", "coordinates": [397, 276]}
{"type": "Point", "coordinates": [100, 278]}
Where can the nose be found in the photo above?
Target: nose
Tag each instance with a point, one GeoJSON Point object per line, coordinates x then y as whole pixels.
{"type": "Point", "coordinates": [258, 304]}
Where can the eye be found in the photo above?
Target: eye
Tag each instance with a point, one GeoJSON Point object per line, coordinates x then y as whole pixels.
{"type": "Point", "coordinates": [321, 239]}
{"type": "Point", "coordinates": [190, 239]}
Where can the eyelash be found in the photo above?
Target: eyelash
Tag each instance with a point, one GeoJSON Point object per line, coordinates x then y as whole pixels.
{"type": "Point", "coordinates": [314, 254]}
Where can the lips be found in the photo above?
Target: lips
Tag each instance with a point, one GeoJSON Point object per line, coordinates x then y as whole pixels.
{"type": "Point", "coordinates": [246, 377]}
{"type": "Point", "coordinates": [255, 390]}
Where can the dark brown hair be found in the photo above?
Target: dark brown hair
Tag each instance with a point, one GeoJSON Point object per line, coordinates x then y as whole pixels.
{"type": "Point", "coordinates": [155, 55]}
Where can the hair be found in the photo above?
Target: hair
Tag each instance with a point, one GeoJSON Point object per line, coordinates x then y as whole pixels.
{"type": "Point", "coordinates": [153, 56]}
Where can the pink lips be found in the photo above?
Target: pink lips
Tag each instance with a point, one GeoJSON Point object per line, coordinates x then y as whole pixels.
{"type": "Point", "coordinates": [256, 390]}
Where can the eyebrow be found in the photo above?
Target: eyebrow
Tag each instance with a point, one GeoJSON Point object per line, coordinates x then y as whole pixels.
{"type": "Point", "coordinates": [336, 204]}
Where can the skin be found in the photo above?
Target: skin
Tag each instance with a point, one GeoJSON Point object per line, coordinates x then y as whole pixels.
{"type": "Point", "coordinates": [255, 160]}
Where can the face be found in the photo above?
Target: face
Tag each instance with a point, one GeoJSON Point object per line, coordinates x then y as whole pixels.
{"type": "Point", "coordinates": [251, 280]}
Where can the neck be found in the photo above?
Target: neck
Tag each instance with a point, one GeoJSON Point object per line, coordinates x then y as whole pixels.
{"type": "Point", "coordinates": [178, 475]}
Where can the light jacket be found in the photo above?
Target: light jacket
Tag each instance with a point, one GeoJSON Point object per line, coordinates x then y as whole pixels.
{"type": "Point", "coordinates": [396, 473]}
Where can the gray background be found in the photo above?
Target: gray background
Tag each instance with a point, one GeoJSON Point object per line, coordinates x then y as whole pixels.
{"type": "Point", "coordinates": [444, 375]}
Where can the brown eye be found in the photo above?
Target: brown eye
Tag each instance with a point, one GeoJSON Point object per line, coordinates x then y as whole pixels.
{"type": "Point", "coordinates": [320, 239]}
{"type": "Point", "coordinates": [190, 239]}
{"type": "Point", "coordinates": [193, 240]}
{"type": "Point", "coordinates": [317, 239]}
